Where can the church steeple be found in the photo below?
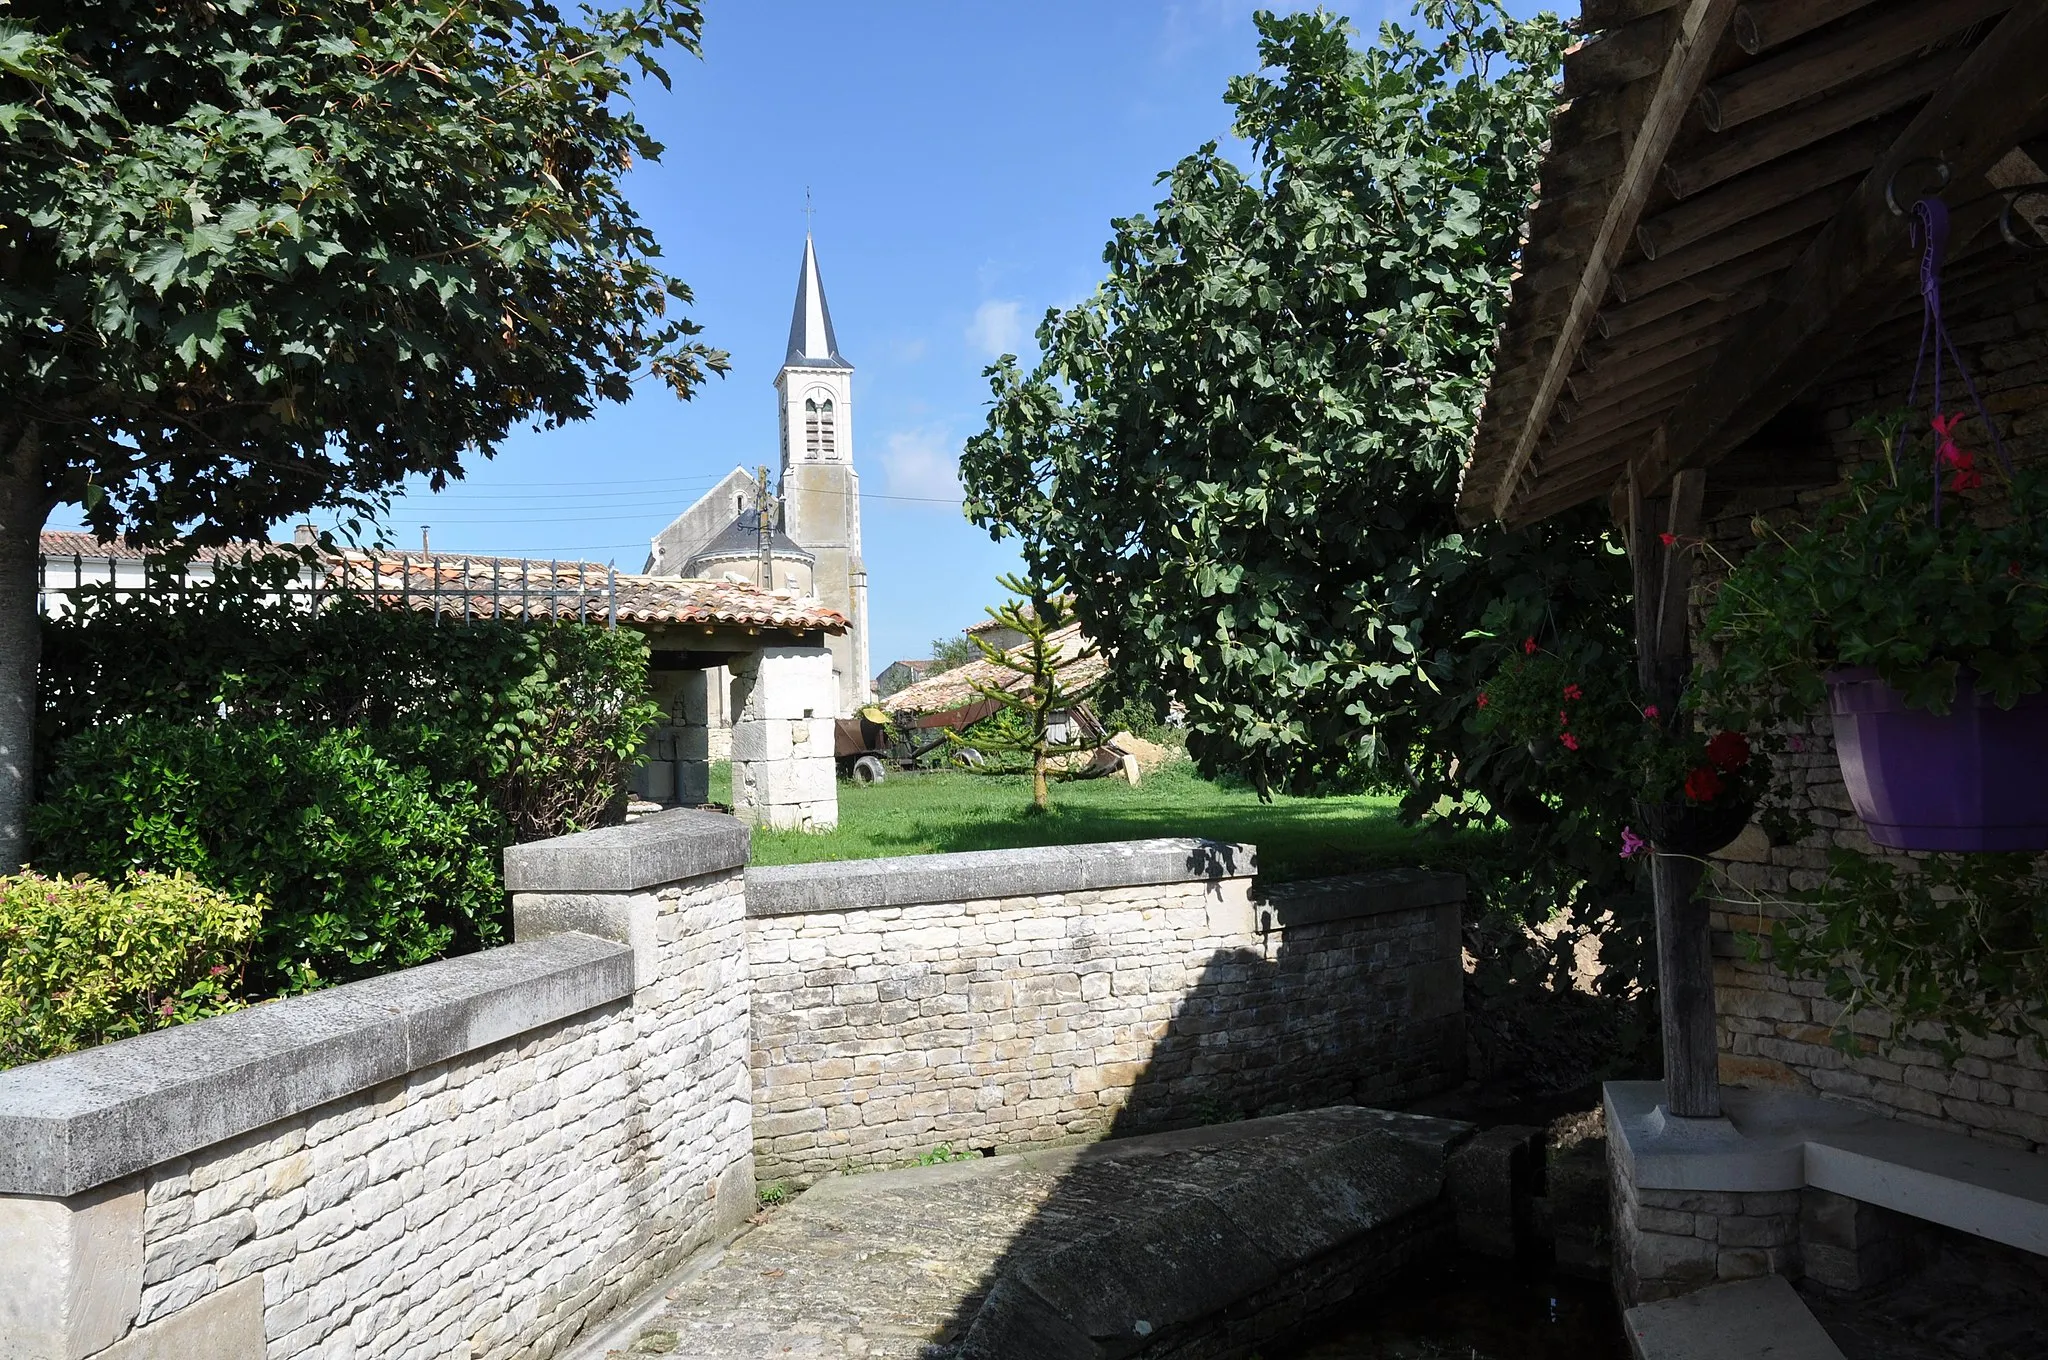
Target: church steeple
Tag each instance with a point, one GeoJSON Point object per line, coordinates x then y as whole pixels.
{"type": "Point", "coordinates": [811, 342]}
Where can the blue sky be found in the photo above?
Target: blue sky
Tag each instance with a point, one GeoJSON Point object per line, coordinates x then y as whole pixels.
{"type": "Point", "coordinates": [965, 160]}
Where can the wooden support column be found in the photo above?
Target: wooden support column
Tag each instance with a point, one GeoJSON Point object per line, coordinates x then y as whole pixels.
{"type": "Point", "coordinates": [1685, 964]}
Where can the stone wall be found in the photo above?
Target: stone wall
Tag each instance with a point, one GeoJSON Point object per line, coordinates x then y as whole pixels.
{"type": "Point", "coordinates": [478, 1157]}
{"type": "Point", "coordinates": [1775, 1031]}
{"type": "Point", "coordinates": [1015, 999]}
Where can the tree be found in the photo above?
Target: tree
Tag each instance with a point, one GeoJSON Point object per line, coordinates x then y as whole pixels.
{"type": "Point", "coordinates": [1050, 662]}
{"type": "Point", "coordinates": [951, 653]}
{"type": "Point", "coordinates": [1243, 449]}
{"type": "Point", "coordinates": [257, 258]}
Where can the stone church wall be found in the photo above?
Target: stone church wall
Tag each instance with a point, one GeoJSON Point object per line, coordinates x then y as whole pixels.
{"type": "Point", "coordinates": [1017, 999]}
{"type": "Point", "coordinates": [1776, 1031]}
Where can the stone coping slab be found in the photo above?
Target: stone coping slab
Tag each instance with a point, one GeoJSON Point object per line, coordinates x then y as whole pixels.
{"type": "Point", "coordinates": [978, 875]}
{"type": "Point", "coordinates": [70, 1123]}
{"type": "Point", "coordinates": [1346, 897]}
{"type": "Point", "coordinates": [1761, 1319]}
{"type": "Point", "coordinates": [1776, 1140]}
{"type": "Point", "coordinates": [667, 847]}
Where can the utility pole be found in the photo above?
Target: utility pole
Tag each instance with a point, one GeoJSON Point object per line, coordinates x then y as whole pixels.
{"type": "Point", "coordinates": [764, 508]}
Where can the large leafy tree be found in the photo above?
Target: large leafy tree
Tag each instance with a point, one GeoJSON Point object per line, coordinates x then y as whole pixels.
{"type": "Point", "coordinates": [258, 256]}
{"type": "Point", "coordinates": [1243, 449]}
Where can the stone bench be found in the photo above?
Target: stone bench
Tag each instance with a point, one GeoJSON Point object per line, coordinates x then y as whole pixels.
{"type": "Point", "coordinates": [1749, 1320]}
{"type": "Point", "coordinates": [1777, 1141]}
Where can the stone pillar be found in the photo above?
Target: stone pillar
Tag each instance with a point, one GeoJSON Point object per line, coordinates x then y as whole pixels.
{"type": "Point", "coordinates": [1848, 1245]}
{"type": "Point", "coordinates": [783, 772]}
{"type": "Point", "coordinates": [72, 1269]}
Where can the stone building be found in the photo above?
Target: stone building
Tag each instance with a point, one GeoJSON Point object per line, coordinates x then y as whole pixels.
{"type": "Point", "coordinates": [1717, 279]}
{"type": "Point", "coordinates": [814, 547]}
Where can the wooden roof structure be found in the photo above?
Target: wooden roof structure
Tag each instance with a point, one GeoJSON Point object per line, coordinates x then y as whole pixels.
{"type": "Point", "coordinates": [1712, 232]}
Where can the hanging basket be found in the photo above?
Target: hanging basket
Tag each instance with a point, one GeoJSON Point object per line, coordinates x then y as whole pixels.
{"type": "Point", "coordinates": [1686, 828]}
{"type": "Point", "coordinates": [1975, 778]}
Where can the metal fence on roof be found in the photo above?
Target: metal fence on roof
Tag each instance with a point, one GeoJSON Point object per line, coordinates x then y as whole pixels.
{"type": "Point", "coordinates": [464, 588]}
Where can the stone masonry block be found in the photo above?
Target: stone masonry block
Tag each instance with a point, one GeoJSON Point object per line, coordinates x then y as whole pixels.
{"type": "Point", "coordinates": [785, 682]}
{"type": "Point", "coordinates": [226, 1324]}
{"type": "Point", "coordinates": [72, 1270]}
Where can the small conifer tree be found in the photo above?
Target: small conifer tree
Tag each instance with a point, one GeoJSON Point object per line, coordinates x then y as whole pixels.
{"type": "Point", "coordinates": [1039, 609]}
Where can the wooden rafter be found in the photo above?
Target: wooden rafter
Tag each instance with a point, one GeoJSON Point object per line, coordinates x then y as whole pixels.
{"type": "Point", "coordinates": [1700, 26]}
{"type": "Point", "coordinates": [1850, 276]}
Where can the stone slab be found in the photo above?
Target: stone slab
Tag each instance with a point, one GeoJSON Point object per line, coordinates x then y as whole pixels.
{"type": "Point", "coordinates": [70, 1271]}
{"type": "Point", "coordinates": [225, 1325]}
{"type": "Point", "coordinates": [976, 875]}
{"type": "Point", "coordinates": [1775, 1140]}
{"type": "Point", "coordinates": [668, 847]}
{"type": "Point", "coordinates": [1761, 1319]}
{"type": "Point", "coordinates": [70, 1123]}
{"type": "Point", "coordinates": [1055, 1248]}
{"type": "Point", "coordinates": [1349, 896]}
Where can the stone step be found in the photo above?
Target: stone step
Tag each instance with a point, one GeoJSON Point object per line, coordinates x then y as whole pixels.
{"type": "Point", "coordinates": [1761, 1319]}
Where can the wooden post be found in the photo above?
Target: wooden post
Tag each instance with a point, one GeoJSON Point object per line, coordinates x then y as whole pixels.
{"type": "Point", "coordinates": [1685, 964]}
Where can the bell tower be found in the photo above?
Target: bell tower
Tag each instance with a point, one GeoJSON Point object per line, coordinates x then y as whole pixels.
{"type": "Point", "coordinates": [820, 489]}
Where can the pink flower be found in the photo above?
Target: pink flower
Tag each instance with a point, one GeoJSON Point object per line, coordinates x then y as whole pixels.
{"type": "Point", "coordinates": [1482, 698]}
{"type": "Point", "coordinates": [1650, 712]}
{"type": "Point", "coordinates": [1571, 743]}
{"type": "Point", "coordinates": [1572, 692]}
{"type": "Point", "coordinates": [1631, 844]}
{"type": "Point", "coordinates": [1528, 646]}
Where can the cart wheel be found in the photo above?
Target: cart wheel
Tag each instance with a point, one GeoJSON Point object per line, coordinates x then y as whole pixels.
{"type": "Point", "coordinates": [970, 758]}
{"type": "Point", "coordinates": [868, 770]}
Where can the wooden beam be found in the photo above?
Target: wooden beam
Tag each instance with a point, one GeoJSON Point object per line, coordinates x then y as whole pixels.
{"type": "Point", "coordinates": [1601, 356]}
{"type": "Point", "coordinates": [1773, 186]}
{"type": "Point", "coordinates": [1685, 961]}
{"type": "Point", "coordinates": [1841, 56]}
{"type": "Point", "coordinates": [1721, 281]}
{"type": "Point", "coordinates": [1595, 15]}
{"type": "Point", "coordinates": [1854, 271]}
{"type": "Point", "coordinates": [1587, 481]}
{"type": "Point", "coordinates": [1693, 342]}
{"type": "Point", "coordinates": [1589, 389]}
{"type": "Point", "coordinates": [1766, 228]}
{"type": "Point", "coordinates": [1613, 58]}
{"type": "Point", "coordinates": [1700, 26]}
{"type": "Point", "coordinates": [1761, 142]}
{"type": "Point", "coordinates": [1762, 24]}
{"type": "Point", "coordinates": [1659, 390]}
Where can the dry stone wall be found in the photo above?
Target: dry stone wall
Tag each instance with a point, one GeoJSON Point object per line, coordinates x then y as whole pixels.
{"type": "Point", "coordinates": [479, 1157]}
{"type": "Point", "coordinates": [1777, 1031]}
{"type": "Point", "coordinates": [1016, 999]}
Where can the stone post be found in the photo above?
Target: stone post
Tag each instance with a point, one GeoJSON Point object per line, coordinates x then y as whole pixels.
{"type": "Point", "coordinates": [783, 771]}
{"type": "Point", "coordinates": [691, 716]}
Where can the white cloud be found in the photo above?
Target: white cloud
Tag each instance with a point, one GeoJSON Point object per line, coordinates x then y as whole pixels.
{"type": "Point", "coordinates": [922, 464]}
{"type": "Point", "coordinates": [997, 328]}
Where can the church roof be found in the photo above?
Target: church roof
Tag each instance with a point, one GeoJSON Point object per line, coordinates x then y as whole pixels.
{"type": "Point", "coordinates": [811, 342]}
{"type": "Point", "coordinates": [742, 538]}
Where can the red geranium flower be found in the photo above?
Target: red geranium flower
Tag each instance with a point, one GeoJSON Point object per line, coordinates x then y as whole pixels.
{"type": "Point", "coordinates": [1482, 698]}
{"type": "Point", "coordinates": [1728, 751]}
{"type": "Point", "coordinates": [1667, 539]}
{"type": "Point", "coordinates": [1571, 743]}
{"type": "Point", "coordinates": [1572, 692]}
{"type": "Point", "coordinates": [1650, 712]}
{"type": "Point", "coordinates": [1703, 784]}
{"type": "Point", "coordinates": [1528, 646]}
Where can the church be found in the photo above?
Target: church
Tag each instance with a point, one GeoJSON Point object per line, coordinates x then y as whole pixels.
{"type": "Point", "coordinates": [814, 516]}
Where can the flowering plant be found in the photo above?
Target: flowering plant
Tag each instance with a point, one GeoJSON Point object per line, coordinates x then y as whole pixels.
{"type": "Point", "coordinates": [1922, 570]}
{"type": "Point", "coordinates": [1547, 701]}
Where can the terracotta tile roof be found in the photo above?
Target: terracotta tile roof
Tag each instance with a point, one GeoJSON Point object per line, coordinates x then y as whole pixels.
{"type": "Point", "coordinates": [482, 587]}
{"type": "Point", "coordinates": [957, 688]}
{"type": "Point", "coordinates": [66, 543]}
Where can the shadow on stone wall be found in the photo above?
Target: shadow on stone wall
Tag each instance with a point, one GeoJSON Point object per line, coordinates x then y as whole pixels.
{"type": "Point", "coordinates": [1291, 1027]}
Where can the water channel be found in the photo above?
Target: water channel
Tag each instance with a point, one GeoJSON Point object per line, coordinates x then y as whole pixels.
{"type": "Point", "coordinates": [1466, 1308]}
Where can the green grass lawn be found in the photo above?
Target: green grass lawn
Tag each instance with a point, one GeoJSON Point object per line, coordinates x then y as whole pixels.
{"type": "Point", "coordinates": [920, 814]}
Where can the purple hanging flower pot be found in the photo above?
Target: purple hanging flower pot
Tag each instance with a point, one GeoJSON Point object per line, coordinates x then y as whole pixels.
{"type": "Point", "coordinates": [1975, 778]}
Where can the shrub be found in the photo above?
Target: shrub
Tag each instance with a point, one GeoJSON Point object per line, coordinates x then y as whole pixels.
{"type": "Point", "coordinates": [84, 963]}
{"type": "Point", "coordinates": [541, 716]}
{"type": "Point", "coordinates": [369, 866]}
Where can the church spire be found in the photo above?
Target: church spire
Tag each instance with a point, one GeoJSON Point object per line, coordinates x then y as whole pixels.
{"type": "Point", "coordinates": [811, 342]}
